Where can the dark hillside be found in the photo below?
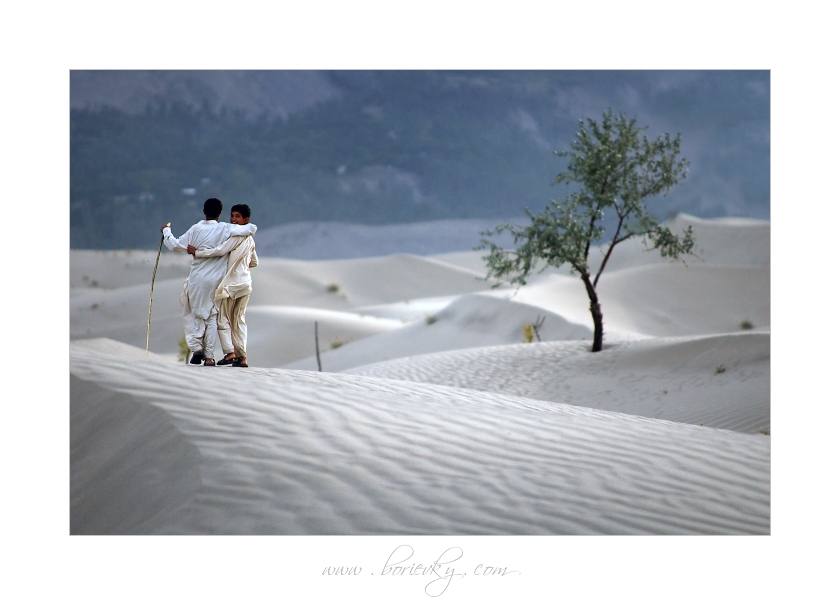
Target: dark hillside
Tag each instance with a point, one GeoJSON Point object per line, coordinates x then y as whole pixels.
{"type": "Point", "coordinates": [385, 147]}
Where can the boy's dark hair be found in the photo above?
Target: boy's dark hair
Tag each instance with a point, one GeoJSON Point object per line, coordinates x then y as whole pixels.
{"type": "Point", "coordinates": [213, 207]}
{"type": "Point", "coordinates": [242, 209]}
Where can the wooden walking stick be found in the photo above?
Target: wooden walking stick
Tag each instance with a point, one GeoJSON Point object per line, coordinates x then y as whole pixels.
{"type": "Point", "coordinates": [317, 351]}
{"type": "Point", "coordinates": [151, 292]}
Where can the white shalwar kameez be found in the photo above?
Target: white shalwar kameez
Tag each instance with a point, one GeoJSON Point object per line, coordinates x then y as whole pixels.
{"type": "Point", "coordinates": [233, 291]}
{"type": "Point", "coordinates": [200, 310]}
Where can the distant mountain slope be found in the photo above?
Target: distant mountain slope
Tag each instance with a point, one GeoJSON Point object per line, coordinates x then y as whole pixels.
{"type": "Point", "coordinates": [387, 147]}
{"type": "Point", "coordinates": [271, 93]}
{"type": "Point", "coordinates": [318, 240]}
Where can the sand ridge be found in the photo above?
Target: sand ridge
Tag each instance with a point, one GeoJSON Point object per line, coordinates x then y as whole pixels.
{"type": "Point", "coordinates": [720, 381]}
{"type": "Point", "coordinates": [303, 452]}
{"type": "Point", "coordinates": [432, 416]}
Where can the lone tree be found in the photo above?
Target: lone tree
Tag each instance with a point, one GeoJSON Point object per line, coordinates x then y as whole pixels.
{"type": "Point", "coordinates": [616, 168]}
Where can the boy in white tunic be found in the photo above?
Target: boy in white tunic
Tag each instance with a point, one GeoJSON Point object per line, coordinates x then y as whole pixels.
{"type": "Point", "coordinates": [200, 310]}
{"type": "Point", "coordinates": [234, 290]}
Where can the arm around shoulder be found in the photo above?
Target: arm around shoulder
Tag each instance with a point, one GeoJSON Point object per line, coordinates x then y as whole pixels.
{"type": "Point", "coordinates": [249, 229]}
{"type": "Point", "coordinates": [220, 250]}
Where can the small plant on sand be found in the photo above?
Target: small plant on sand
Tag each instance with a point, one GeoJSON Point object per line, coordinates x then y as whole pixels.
{"type": "Point", "coordinates": [337, 342]}
{"type": "Point", "coordinates": [747, 325]}
{"type": "Point", "coordinates": [615, 168]}
{"type": "Point", "coordinates": [720, 369]}
{"type": "Point", "coordinates": [529, 331]}
{"type": "Point", "coordinates": [333, 288]}
{"type": "Point", "coordinates": [533, 330]}
{"type": "Point", "coordinates": [183, 349]}
{"type": "Point", "coordinates": [430, 319]}
{"type": "Point", "coordinates": [765, 432]}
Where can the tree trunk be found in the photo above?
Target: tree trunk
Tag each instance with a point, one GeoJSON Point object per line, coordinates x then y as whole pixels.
{"type": "Point", "coordinates": [595, 309]}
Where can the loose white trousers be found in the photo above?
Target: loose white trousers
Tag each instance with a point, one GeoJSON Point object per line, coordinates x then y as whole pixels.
{"type": "Point", "coordinates": [233, 333]}
{"type": "Point", "coordinates": [200, 333]}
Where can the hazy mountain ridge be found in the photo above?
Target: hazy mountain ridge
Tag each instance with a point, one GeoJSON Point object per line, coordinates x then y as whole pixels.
{"type": "Point", "coordinates": [380, 148]}
{"type": "Point", "coordinates": [255, 93]}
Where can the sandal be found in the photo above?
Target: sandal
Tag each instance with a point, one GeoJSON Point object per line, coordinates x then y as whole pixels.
{"type": "Point", "coordinates": [210, 363]}
{"type": "Point", "coordinates": [239, 364]}
{"type": "Point", "coordinates": [227, 362]}
{"type": "Point", "coordinates": [197, 358]}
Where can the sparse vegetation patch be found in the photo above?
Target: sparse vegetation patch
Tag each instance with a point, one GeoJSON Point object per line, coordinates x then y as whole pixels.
{"type": "Point", "coordinates": [530, 333]}
{"type": "Point", "coordinates": [337, 342]}
{"type": "Point", "coordinates": [183, 349]}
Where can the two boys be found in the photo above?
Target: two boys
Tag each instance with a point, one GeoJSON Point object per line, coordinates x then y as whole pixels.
{"type": "Point", "coordinates": [207, 271]}
{"type": "Point", "coordinates": [234, 290]}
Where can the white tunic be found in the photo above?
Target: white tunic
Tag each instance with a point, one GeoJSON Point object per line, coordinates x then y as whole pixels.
{"type": "Point", "coordinates": [242, 256]}
{"type": "Point", "coordinates": [205, 273]}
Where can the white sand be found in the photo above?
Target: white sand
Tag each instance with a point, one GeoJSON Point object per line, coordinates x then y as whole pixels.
{"type": "Point", "coordinates": [288, 297]}
{"type": "Point", "coordinates": [443, 421]}
{"type": "Point", "coordinates": [470, 321]}
{"type": "Point", "coordinates": [721, 381]}
{"type": "Point", "coordinates": [164, 448]}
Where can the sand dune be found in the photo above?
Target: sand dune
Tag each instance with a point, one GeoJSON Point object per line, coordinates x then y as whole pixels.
{"type": "Point", "coordinates": [721, 381]}
{"type": "Point", "coordinates": [163, 448]}
{"type": "Point", "coordinates": [728, 241]}
{"type": "Point", "coordinates": [360, 282]}
{"type": "Point", "coordinates": [431, 416]}
{"type": "Point", "coordinates": [659, 300]}
{"type": "Point", "coordinates": [121, 313]}
{"type": "Point", "coordinates": [326, 240]}
{"type": "Point", "coordinates": [280, 335]}
{"type": "Point", "coordinates": [110, 269]}
{"type": "Point", "coordinates": [638, 302]}
{"type": "Point", "coordinates": [469, 321]}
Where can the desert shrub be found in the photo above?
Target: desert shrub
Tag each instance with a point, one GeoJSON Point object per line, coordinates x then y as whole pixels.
{"type": "Point", "coordinates": [747, 325]}
{"type": "Point", "coordinates": [333, 288]}
{"type": "Point", "coordinates": [183, 349]}
{"type": "Point", "coordinates": [430, 319]}
{"type": "Point", "coordinates": [720, 369]}
{"type": "Point", "coordinates": [337, 342]}
{"type": "Point", "coordinates": [529, 332]}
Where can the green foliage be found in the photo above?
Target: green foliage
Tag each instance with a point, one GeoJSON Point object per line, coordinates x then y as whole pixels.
{"type": "Point", "coordinates": [183, 349]}
{"type": "Point", "coordinates": [616, 168]}
{"type": "Point", "coordinates": [529, 333]}
{"type": "Point", "coordinates": [338, 342]}
{"type": "Point", "coordinates": [612, 168]}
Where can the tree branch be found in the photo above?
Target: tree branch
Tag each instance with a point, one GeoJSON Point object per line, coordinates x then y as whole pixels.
{"type": "Point", "coordinates": [615, 240]}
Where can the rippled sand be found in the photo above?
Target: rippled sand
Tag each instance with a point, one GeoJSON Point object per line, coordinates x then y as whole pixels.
{"type": "Point", "coordinates": [431, 416]}
{"type": "Point", "coordinates": [164, 448]}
